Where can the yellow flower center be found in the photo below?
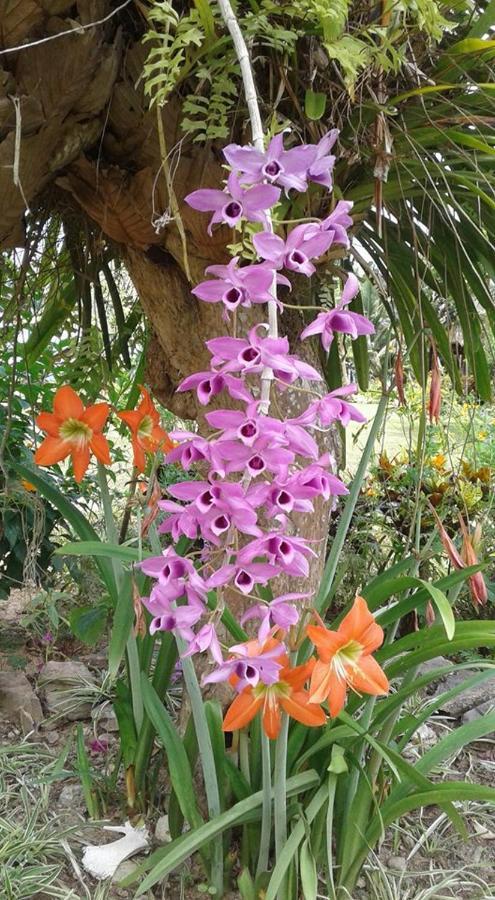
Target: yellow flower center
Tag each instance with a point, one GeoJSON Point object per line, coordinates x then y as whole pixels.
{"type": "Point", "coordinates": [272, 692]}
{"type": "Point", "coordinates": [77, 432]}
{"type": "Point", "coordinates": [347, 658]}
{"type": "Point", "coordinates": [145, 428]}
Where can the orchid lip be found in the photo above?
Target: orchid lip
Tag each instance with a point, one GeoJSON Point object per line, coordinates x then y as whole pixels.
{"type": "Point", "coordinates": [256, 464]}
{"type": "Point", "coordinates": [272, 169]}
{"type": "Point", "coordinates": [249, 431]}
{"type": "Point", "coordinates": [232, 211]}
{"type": "Point", "coordinates": [250, 356]}
{"type": "Point", "coordinates": [298, 258]}
{"type": "Point", "coordinates": [233, 297]}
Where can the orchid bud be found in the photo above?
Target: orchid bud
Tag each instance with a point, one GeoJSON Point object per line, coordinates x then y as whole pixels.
{"type": "Point", "coordinates": [399, 378]}
{"type": "Point", "coordinates": [435, 401]}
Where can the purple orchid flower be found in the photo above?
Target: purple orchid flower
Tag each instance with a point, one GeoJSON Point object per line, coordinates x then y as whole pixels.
{"type": "Point", "coordinates": [332, 408]}
{"type": "Point", "coordinates": [238, 286]}
{"type": "Point", "coordinates": [287, 168]}
{"type": "Point", "coordinates": [287, 552]}
{"type": "Point", "coordinates": [322, 164]}
{"type": "Point", "coordinates": [279, 612]}
{"type": "Point", "coordinates": [166, 617]}
{"type": "Point", "coordinates": [304, 242]}
{"type": "Point", "coordinates": [247, 669]}
{"type": "Point", "coordinates": [209, 384]}
{"type": "Point", "coordinates": [340, 319]}
{"type": "Point", "coordinates": [253, 355]}
{"type": "Point", "coordinates": [244, 577]}
{"type": "Point", "coordinates": [205, 639]}
{"type": "Point", "coordinates": [235, 202]}
{"type": "Point", "coordinates": [338, 222]}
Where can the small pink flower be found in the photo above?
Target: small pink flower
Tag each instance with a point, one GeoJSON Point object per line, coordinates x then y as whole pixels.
{"type": "Point", "coordinates": [340, 319]}
{"type": "Point", "coordinates": [235, 202]}
{"type": "Point", "coordinates": [98, 746]}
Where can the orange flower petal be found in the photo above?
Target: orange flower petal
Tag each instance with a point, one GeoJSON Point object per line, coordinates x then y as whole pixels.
{"type": "Point", "coordinates": [336, 700]}
{"type": "Point", "coordinates": [100, 448]}
{"type": "Point", "coordinates": [48, 422]}
{"type": "Point", "coordinates": [272, 718]}
{"type": "Point", "coordinates": [147, 407]}
{"type": "Point", "coordinates": [52, 450]}
{"type": "Point", "coordinates": [322, 682]}
{"type": "Point", "coordinates": [359, 625]}
{"type": "Point", "coordinates": [299, 675]}
{"type": "Point", "coordinates": [96, 416]}
{"type": "Point", "coordinates": [299, 707]}
{"type": "Point", "coordinates": [241, 711]}
{"type": "Point", "coordinates": [80, 463]}
{"type": "Point", "coordinates": [369, 678]}
{"type": "Point", "coordinates": [327, 642]}
{"type": "Point", "coordinates": [66, 403]}
{"type": "Point", "coordinates": [131, 417]}
{"type": "Point", "coordinates": [139, 455]}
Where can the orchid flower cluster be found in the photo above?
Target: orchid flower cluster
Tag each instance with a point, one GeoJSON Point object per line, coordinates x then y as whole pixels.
{"type": "Point", "coordinates": [260, 469]}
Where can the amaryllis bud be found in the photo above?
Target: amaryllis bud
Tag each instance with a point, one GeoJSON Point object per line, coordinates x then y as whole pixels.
{"type": "Point", "coordinates": [477, 585]}
{"type": "Point", "coordinates": [435, 401]}
{"type": "Point", "coordinates": [430, 614]}
{"type": "Point", "coordinates": [399, 378]}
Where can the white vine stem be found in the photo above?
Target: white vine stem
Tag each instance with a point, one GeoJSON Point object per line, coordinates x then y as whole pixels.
{"type": "Point", "coordinates": [251, 96]}
{"type": "Point", "coordinates": [280, 815]}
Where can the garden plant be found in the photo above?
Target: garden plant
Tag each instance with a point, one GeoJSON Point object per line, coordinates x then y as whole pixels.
{"type": "Point", "coordinates": [285, 765]}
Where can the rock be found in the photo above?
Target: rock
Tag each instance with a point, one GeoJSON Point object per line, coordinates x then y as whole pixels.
{"type": "Point", "coordinates": [431, 664]}
{"type": "Point", "coordinates": [105, 717]}
{"type": "Point", "coordinates": [477, 712]}
{"type": "Point", "coordinates": [18, 702]}
{"type": "Point", "coordinates": [470, 698]}
{"type": "Point", "coordinates": [162, 831]}
{"type": "Point", "coordinates": [397, 863]}
{"type": "Point", "coordinates": [60, 682]}
{"type": "Point", "coordinates": [52, 737]}
{"type": "Point", "coordinates": [71, 796]}
{"type": "Point", "coordinates": [18, 601]}
{"type": "Point", "coordinates": [128, 867]}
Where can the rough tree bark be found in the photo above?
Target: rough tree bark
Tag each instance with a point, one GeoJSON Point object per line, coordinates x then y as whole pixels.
{"type": "Point", "coordinates": [76, 134]}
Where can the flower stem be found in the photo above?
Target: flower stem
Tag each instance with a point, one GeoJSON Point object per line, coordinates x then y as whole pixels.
{"type": "Point", "coordinates": [131, 646]}
{"type": "Point", "coordinates": [242, 54]}
{"type": "Point", "coordinates": [207, 762]}
{"type": "Point", "coordinates": [266, 816]}
{"type": "Point", "coordinates": [280, 797]}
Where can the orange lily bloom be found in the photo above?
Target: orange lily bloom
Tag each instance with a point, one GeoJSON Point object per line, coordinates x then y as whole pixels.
{"type": "Point", "coordinates": [287, 694]}
{"type": "Point", "coordinates": [344, 658]}
{"type": "Point", "coordinates": [147, 434]}
{"type": "Point", "coordinates": [73, 430]}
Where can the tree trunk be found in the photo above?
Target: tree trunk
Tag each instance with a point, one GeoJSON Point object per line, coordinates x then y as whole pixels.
{"type": "Point", "coordinates": [77, 138]}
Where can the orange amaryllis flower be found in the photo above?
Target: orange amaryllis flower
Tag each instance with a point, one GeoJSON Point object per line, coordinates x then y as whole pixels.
{"type": "Point", "coordinates": [73, 430]}
{"type": "Point", "coordinates": [147, 434]}
{"type": "Point", "coordinates": [344, 658]}
{"type": "Point", "coordinates": [287, 694]}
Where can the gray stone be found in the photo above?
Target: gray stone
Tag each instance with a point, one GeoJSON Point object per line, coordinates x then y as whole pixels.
{"type": "Point", "coordinates": [477, 712]}
{"type": "Point", "coordinates": [431, 664]}
{"type": "Point", "coordinates": [105, 718]}
{"type": "Point", "coordinates": [128, 867]}
{"type": "Point", "coordinates": [470, 698]}
{"type": "Point", "coordinates": [18, 702]}
{"type": "Point", "coordinates": [162, 831]}
{"type": "Point", "coordinates": [71, 796]}
{"type": "Point", "coordinates": [397, 863]}
{"type": "Point", "coordinates": [60, 683]}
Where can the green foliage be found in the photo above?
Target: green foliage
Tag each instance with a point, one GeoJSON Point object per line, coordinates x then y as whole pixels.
{"type": "Point", "coordinates": [173, 38]}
